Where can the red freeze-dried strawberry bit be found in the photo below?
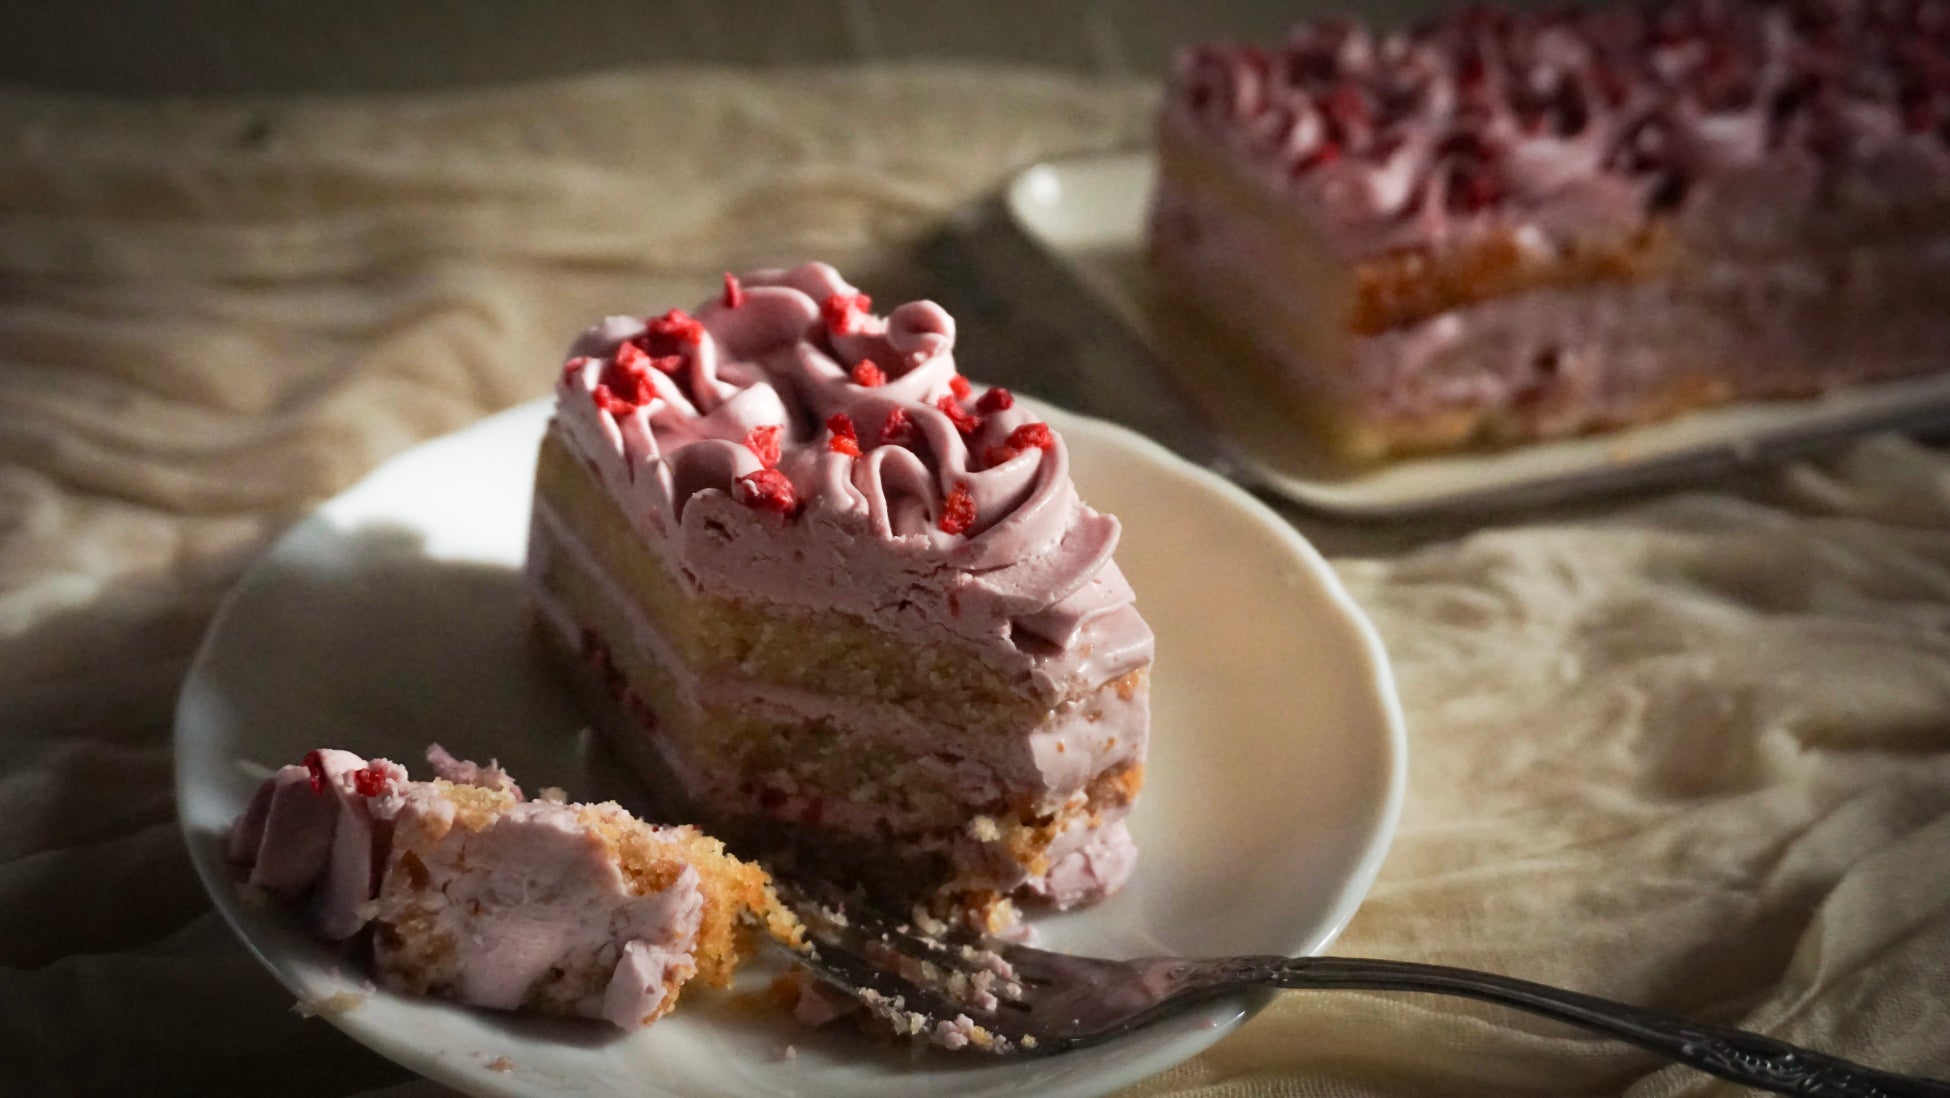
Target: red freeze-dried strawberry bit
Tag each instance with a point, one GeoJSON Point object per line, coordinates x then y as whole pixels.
{"type": "Point", "coordinates": [1029, 436]}
{"type": "Point", "coordinates": [734, 294]}
{"type": "Point", "coordinates": [1473, 75]}
{"type": "Point", "coordinates": [1564, 111]}
{"type": "Point", "coordinates": [628, 375]}
{"type": "Point", "coordinates": [630, 358]}
{"type": "Point", "coordinates": [1347, 111]}
{"type": "Point", "coordinates": [995, 400]}
{"type": "Point", "coordinates": [764, 441]}
{"type": "Point", "coordinates": [867, 375]}
{"type": "Point", "coordinates": [844, 312]}
{"type": "Point", "coordinates": [1472, 190]}
{"type": "Point", "coordinates": [767, 490]}
{"type": "Point", "coordinates": [958, 511]}
{"type": "Point", "coordinates": [1026, 437]}
{"type": "Point", "coordinates": [1322, 155]}
{"type": "Point", "coordinates": [1032, 434]}
{"type": "Point", "coordinates": [845, 440]}
{"type": "Point", "coordinates": [672, 332]}
{"type": "Point", "coordinates": [964, 421]}
{"type": "Point", "coordinates": [897, 429]}
{"type": "Point", "coordinates": [1668, 32]}
{"type": "Point", "coordinates": [1725, 80]}
{"type": "Point", "coordinates": [315, 762]}
{"type": "Point", "coordinates": [368, 781]}
{"type": "Point", "coordinates": [639, 710]}
{"type": "Point", "coordinates": [1466, 145]}
{"type": "Point", "coordinates": [959, 386]}
{"type": "Point", "coordinates": [1611, 82]}
{"type": "Point", "coordinates": [595, 652]}
{"type": "Point", "coordinates": [610, 402]}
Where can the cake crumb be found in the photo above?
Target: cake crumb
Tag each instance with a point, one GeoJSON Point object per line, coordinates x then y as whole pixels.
{"type": "Point", "coordinates": [501, 1064]}
{"type": "Point", "coordinates": [985, 829]}
{"type": "Point", "coordinates": [925, 923]}
{"type": "Point", "coordinates": [999, 918]}
{"type": "Point", "coordinates": [553, 794]}
{"type": "Point", "coordinates": [336, 1003]}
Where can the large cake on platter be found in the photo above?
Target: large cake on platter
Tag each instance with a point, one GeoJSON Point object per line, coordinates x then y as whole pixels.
{"type": "Point", "coordinates": [1503, 226]}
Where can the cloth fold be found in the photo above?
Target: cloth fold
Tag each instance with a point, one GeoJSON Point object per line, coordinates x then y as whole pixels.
{"type": "Point", "coordinates": [1690, 750]}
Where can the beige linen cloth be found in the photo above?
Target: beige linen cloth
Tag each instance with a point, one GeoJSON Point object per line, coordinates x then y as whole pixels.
{"type": "Point", "coordinates": [1690, 750]}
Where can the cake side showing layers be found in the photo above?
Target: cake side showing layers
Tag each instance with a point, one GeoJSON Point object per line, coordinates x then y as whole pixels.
{"type": "Point", "coordinates": [1501, 227]}
{"type": "Point", "coordinates": [475, 894]}
{"type": "Point", "coordinates": [834, 597]}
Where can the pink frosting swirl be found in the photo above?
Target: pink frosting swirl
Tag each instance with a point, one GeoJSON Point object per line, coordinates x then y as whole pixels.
{"type": "Point", "coordinates": [322, 828]}
{"type": "Point", "coordinates": [875, 431]}
{"type": "Point", "coordinates": [1480, 117]}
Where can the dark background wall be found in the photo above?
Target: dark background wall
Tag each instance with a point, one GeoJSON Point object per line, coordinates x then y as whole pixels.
{"type": "Point", "coordinates": [158, 47]}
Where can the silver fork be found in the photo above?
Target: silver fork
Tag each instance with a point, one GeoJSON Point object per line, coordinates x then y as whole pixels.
{"type": "Point", "coordinates": [959, 987]}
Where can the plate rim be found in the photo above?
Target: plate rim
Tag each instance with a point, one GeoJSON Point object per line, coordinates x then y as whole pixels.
{"type": "Point", "coordinates": [207, 856]}
{"type": "Point", "coordinates": [1594, 465]}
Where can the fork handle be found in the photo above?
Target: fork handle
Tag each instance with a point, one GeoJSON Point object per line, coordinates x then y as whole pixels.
{"type": "Point", "coordinates": [1737, 1055]}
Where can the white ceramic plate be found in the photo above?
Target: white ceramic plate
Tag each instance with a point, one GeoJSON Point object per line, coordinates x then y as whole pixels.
{"type": "Point", "coordinates": [390, 618]}
{"type": "Point", "coordinates": [1089, 213]}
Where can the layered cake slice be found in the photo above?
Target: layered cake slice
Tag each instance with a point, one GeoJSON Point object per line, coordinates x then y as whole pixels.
{"type": "Point", "coordinates": [473, 893]}
{"type": "Point", "coordinates": [839, 605]}
{"type": "Point", "coordinates": [1498, 227]}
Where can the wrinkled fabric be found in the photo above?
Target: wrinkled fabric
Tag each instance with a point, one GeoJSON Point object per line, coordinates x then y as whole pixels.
{"type": "Point", "coordinates": [1690, 750]}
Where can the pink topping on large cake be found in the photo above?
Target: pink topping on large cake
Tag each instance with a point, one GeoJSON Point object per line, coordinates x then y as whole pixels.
{"type": "Point", "coordinates": [788, 403]}
{"type": "Point", "coordinates": [1569, 121]}
{"type": "Point", "coordinates": [531, 894]}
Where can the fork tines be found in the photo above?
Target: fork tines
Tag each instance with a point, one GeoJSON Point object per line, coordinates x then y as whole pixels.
{"type": "Point", "coordinates": [923, 978]}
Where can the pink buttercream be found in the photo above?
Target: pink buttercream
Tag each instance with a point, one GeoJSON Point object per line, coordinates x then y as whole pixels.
{"type": "Point", "coordinates": [310, 830]}
{"type": "Point", "coordinates": [1568, 123]}
{"type": "Point", "coordinates": [1101, 865]}
{"type": "Point", "coordinates": [464, 772]}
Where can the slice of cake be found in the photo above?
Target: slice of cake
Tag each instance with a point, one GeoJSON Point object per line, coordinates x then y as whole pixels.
{"type": "Point", "coordinates": [839, 605]}
{"type": "Point", "coordinates": [1498, 227]}
{"type": "Point", "coordinates": [476, 894]}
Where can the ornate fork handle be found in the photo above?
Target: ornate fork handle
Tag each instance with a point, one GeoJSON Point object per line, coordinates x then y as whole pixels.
{"type": "Point", "coordinates": [1746, 1058]}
